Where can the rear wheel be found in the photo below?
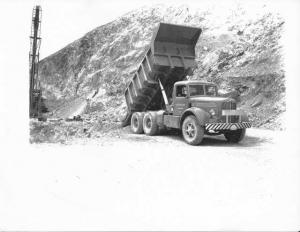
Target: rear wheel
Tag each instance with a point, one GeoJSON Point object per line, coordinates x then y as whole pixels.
{"type": "Point", "coordinates": [137, 123]}
{"type": "Point", "coordinates": [191, 130]}
{"type": "Point", "coordinates": [235, 136]}
{"type": "Point", "coordinates": [150, 123]}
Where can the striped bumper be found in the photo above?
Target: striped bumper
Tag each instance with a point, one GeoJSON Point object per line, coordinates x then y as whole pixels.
{"type": "Point", "coordinates": [227, 126]}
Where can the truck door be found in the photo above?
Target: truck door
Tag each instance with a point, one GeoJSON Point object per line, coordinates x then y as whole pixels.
{"type": "Point", "coordinates": [180, 100]}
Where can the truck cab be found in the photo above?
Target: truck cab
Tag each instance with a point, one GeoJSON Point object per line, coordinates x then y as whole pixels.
{"type": "Point", "coordinates": [200, 102]}
{"type": "Point", "coordinates": [194, 93]}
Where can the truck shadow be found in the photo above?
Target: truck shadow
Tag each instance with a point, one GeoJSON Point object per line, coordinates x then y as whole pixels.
{"type": "Point", "coordinates": [213, 141]}
{"type": "Point", "coordinates": [220, 141]}
{"type": "Point", "coordinates": [248, 141]}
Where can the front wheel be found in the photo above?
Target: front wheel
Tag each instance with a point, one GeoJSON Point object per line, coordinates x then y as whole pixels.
{"type": "Point", "coordinates": [235, 136]}
{"type": "Point", "coordinates": [191, 130]}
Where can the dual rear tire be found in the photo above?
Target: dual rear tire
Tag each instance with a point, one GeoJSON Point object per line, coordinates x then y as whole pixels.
{"type": "Point", "coordinates": [136, 124]}
{"type": "Point", "coordinates": [150, 125]}
{"type": "Point", "coordinates": [144, 123]}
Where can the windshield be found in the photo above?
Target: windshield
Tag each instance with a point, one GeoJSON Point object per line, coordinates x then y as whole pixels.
{"type": "Point", "coordinates": [196, 90]}
{"type": "Point", "coordinates": [210, 90]}
{"type": "Point", "coordinates": [201, 90]}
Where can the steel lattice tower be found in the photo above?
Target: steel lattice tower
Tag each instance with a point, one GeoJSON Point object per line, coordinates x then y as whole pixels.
{"type": "Point", "coordinates": [35, 43]}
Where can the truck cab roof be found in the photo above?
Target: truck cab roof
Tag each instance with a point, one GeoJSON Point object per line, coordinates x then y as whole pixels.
{"type": "Point", "coordinates": [194, 82]}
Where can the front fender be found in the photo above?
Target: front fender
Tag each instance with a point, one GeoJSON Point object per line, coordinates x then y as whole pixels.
{"type": "Point", "coordinates": [201, 115]}
{"type": "Point", "coordinates": [244, 117]}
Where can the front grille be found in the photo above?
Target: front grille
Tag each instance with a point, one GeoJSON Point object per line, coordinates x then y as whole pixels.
{"type": "Point", "coordinates": [231, 119]}
{"type": "Point", "coordinates": [229, 105]}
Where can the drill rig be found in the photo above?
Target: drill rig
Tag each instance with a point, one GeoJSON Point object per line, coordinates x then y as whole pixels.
{"type": "Point", "coordinates": [36, 101]}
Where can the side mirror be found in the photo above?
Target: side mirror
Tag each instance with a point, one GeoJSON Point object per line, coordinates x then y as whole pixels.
{"type": "Point", "coordinates": [221, 92]}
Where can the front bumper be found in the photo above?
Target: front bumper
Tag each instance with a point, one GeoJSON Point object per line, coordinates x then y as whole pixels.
{"type": "Point", "coordinates": [227, 126]}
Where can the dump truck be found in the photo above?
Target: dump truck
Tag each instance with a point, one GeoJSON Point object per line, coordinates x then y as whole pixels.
{"type": "Point", "coordinates": [159, 96]}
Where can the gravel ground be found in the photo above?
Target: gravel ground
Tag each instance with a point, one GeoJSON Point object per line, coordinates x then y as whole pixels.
{"type": "Point", "coordinates": [135, 182]}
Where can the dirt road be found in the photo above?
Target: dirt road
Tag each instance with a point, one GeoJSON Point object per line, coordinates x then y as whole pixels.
{"type": "Point", "coordinates": [255, 138]}
{"type": "Point", "coordinates": [135, 182]}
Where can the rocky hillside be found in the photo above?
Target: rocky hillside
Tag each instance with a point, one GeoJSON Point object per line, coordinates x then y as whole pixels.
{"type": "Point", "coordinates": [239, 47]}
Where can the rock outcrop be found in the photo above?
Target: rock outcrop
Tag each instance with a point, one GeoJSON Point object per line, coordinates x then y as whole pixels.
{"type": "Point", "coordinates": [239, 48]}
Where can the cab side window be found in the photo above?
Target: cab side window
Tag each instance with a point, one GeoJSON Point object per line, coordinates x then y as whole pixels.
{"type": "Point", "coordinates": [181, 91]}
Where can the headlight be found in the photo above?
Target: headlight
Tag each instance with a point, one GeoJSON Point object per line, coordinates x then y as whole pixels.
{"type": "Point", "coordinates": [212, 112]}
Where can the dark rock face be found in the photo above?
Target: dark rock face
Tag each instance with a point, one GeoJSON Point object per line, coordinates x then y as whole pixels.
{"type": "Point", "coordinates": [237, 49]}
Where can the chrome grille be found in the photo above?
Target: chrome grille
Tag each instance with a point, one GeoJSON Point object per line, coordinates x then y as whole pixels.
{"type": "Point", "coordinates": [231, 119]}
{"type": "Point", "coordinates": [229, 105]}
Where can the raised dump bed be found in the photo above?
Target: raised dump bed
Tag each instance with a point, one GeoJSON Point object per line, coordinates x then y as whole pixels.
{"type": "Point", "coordinates": [170, 58]}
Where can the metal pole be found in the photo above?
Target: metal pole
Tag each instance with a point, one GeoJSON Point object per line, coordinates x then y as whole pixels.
{"type": "Point", "coordinates": [34, 59]}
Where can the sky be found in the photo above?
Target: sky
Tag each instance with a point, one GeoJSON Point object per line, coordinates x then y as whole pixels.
{"type": "Point", "coordinates": [64, 21]}
{"type": "Point", "coordinates": [68, 20]}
